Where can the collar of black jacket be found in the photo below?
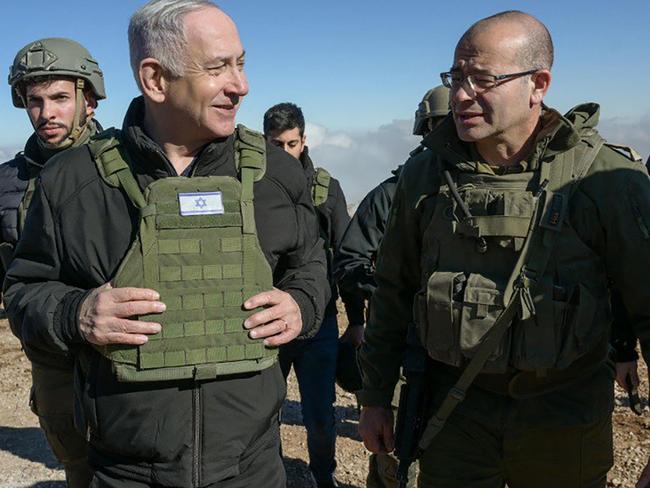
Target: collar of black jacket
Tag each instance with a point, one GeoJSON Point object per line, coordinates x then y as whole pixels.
{"type": "Point", "coordinates": [307, 163]}
{"type": "Point", "coordinates": [36, 155]}
{"type": "Point", "coordinates": [148, 157]}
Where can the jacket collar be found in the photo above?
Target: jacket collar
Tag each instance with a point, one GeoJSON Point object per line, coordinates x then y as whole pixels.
{"type": "Point", "coordinates": [149, 157]}
{"type": "Point", "coordinates": [307, 163]}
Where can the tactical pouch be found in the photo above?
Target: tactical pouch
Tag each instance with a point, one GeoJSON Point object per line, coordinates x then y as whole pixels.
{"type": "Point", "coordinates": [482, 304]}
{"type": "Point", "coordinates": [462, 309]}
{"type": "Point", "coordinates": [562, 330]}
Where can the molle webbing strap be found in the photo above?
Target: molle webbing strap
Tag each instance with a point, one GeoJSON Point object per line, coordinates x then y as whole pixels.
{"type": "Point", "coordinates": [115, 165]}
{"type": "Point", "coordinates": [562, 176]}
{"type": "Point", "coordinates": [250, 161]}
{"type": "Point", "coordinates": [320, 186]}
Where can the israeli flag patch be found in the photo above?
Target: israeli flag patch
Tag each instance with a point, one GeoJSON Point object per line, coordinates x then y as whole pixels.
{"type": "Point", "coordinates": [201, 203]}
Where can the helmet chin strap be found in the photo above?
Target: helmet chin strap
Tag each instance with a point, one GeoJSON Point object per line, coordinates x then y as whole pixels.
{"type": "Point", "coordinates": [77, 128]}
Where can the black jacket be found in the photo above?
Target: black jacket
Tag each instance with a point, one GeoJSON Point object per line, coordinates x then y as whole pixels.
{"type": "Point", "coordinates": [14, 178]}
{"type": "Point", "coordinates": [180, 433]}
{"type": "Point", "coordinates": [354, 266]}
{"type": "Point", "coordinates": [333, 219]}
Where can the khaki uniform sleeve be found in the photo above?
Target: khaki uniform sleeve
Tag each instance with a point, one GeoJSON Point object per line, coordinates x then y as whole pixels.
{"type": "Point", "coordinates": [619, 190]}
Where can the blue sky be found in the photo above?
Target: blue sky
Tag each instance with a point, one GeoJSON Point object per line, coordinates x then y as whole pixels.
{"type": "Point", "coordinates": [358, 68]}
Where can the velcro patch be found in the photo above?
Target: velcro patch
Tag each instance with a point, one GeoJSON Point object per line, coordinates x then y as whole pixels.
{"type": "Point", "coordinates": [201, 203]}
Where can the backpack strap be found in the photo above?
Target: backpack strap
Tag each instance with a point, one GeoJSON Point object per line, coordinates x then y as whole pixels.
{"type": "Point", "coordinates": [25, 202]}
{"type": "Point", "coordinates": [561, 178]}
{"type": "Point", "coordinates": [320, 186]}
{"type": "Point", "coordinates": [250, 161]}
{"type": "Point", "coordinates": [110, 158]}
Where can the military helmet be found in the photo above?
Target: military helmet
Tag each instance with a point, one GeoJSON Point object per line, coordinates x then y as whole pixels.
{"type": "Point", "coordinates": [435, 103]}
{"type": "Point", "coordinates": [55, 56]}
{"type": "Point", "coordinates": [348, 374]}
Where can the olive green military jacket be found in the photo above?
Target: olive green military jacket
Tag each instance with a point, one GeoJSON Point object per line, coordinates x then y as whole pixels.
{"type": "Point", "coordinates": [610, 211]}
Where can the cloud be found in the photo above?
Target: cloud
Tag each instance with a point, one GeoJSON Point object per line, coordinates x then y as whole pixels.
{"type": "Point", "coordinates": [361, 160]}
{"type": "Point", "coordinates": [628, 132]}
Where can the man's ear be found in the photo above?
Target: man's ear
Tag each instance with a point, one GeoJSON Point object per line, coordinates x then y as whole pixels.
{"type": "Point", "coordinates": [152, 80]}
{"type": "Point", "coordinates": [541, 83]}
{"type": "Point", "coordinates": [91, 102]}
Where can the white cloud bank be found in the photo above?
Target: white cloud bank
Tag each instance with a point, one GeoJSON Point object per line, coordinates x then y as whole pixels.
{"type": "Point", "coordinates": [633, 133]}
{"type": "Point", "coordinates": [361, 160]}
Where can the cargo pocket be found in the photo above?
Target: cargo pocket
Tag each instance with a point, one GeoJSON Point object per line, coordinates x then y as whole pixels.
{"type": "Point", "coordinates": [440, 308]}
{"type": "Point", "coordinates": [482, 305]}
{"type": "Point", "coordinates": [535, 341]}
{"type": "Point", "coordinates": [578, 333]}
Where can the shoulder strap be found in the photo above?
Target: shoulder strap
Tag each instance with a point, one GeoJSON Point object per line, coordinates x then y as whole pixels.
{"type": "Point", "coordinates": [626, 151]}
{"type": "Point", "coordinates": [250, 152]}
{"type": "Point", "coordinates": [108, 154]}
{"type": "Point", "coordinates": [250, 161]}
{"type": "Point", "coordinates": [25, 202]}
{"type": "Point", "coordinates": [530, 266]}
{"type": "Point", "coordinates": [320, 186]}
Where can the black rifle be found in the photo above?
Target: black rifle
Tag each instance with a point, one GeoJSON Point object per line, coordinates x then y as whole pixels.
{"type": "Point", "coordinates": [414, 405]}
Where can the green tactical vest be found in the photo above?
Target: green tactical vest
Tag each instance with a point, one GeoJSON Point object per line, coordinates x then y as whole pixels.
{"type": "Point", "coordinates": [197, 246]}
{"type": "Point", "coordinates": [469, 262]}
{"type": "Point", "coordinates": [320, 186]}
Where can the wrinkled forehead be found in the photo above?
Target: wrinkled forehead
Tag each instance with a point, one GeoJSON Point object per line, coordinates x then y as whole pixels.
{"type": "Point", "coordinates": [211, 34]}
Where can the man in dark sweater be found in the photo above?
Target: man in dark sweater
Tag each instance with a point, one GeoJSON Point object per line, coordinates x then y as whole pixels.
{"type": "Point", "coordinates": [355, 262]}
{"type": "Point", "coordinates": [172, 258]}
{"type": "Point", "coordinates": [314, 360]}
{"type": "Point", "coordinates": [58, 83]}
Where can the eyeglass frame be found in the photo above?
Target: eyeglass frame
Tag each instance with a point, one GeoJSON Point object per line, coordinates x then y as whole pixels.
{"type": "Point", "coordinates": [445, 77]}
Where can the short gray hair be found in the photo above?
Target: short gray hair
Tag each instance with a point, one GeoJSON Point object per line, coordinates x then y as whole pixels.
{"type": "Point", "coordinates": [156, 30]}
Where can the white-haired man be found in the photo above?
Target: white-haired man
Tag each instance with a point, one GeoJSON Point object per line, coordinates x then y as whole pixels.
{"type": "Point", "coordinates": [179, 253]}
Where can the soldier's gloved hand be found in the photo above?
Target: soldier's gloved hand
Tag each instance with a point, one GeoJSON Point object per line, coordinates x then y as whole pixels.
{"type": "Point", "coordinates": [625, 370]}
{"type": "Point", "coordinates": [353, 334]}
{"type": "Point", "coordinates": [644, 479]}
{"type": "Point", "coordinates": [104, 316]}
{"type": "Point", "coordinates": [280, 321]}
{"type": "Point", "coordinates": [376, 429]}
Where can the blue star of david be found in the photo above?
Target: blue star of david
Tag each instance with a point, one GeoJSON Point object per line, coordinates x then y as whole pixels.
{"type": "Point", "coordinates": [200, 202]}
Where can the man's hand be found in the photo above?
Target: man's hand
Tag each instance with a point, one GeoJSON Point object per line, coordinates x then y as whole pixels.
{"type": "Point", "coordinates": [644, 479]}
{"type": "Point", "coordinates": [104, 317]}
{"type": "Point", "coordinates": [625, 370]}
{"type": "Point", "coordinates": [376, 429]}
{"type": "Point", "coordinates": [280, 321]}
{"type": "Point", "coordinates": [353, 334]}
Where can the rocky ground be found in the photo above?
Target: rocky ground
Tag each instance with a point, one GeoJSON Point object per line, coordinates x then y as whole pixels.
{"type": "Point", "coordinates": [26, 461]}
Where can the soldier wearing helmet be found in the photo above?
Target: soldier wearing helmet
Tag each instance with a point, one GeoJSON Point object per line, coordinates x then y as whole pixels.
{"type": "Point", "coordinates": [355, 265]}
{"type": "Point", "coordinates": [58, 83]}
{"type": "Point", "coordinates": [431, 110]}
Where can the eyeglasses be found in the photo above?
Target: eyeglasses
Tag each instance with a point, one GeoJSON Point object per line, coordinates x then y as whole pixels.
{"type": "Point", "coordinates": [479, 82]}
